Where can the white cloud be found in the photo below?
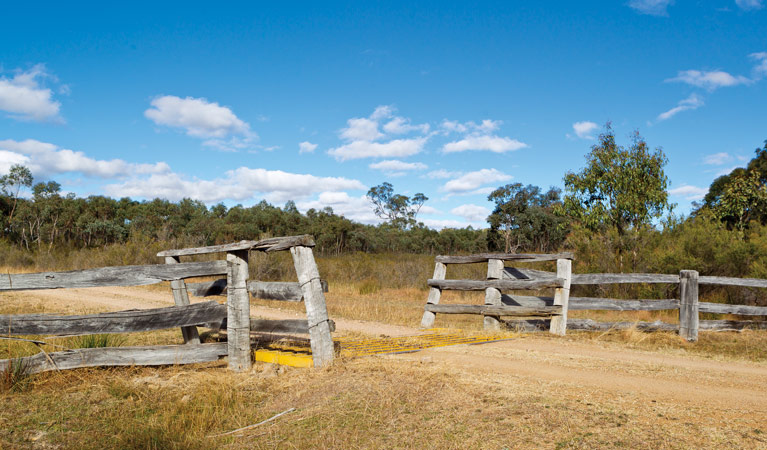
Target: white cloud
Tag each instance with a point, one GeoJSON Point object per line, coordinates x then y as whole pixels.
{"type": "Point", "coordinates": [473, 181]}
{"type": "Point", "coordinates": [23, 97]}
{"type": "Point", "coordinates": [361, 129]}
{"type": "Point", "coordinates": [9, 159]}
{"type": "Point", "coordinates": [48, 159]}
{"type": "Point", "coordinates": [584, 129]}
{"type": "Point", "coordinates": [486, 126]}
{"type": "Point", "coordinates": [439, 224]}
{"type": "Point", "coordinates": [401, 125]}
{"type": "Point", "coordinates": [240, 184]}
{"type": "Point", "coordinates": [354, 208]}
{"type": "Point", "coordinates": [306, 147]}
{"type": "Point", "coordinates": [374, 136]}
{"type": "Point", "coordinates": [201, 119]}
{"type": "Point", "coordinates": [689, 192]}
{"type": "Point", "coordinates": [749, 4]}
{"type": "Point", "coordinates": [717, 159]}
{"type": "Point", "coordinates": [393, 165]}
{"type": "Point", "coordinates": [366, 140]}
{"type": "Point", "coordinates": [397, 148]}
{"type": "Point", "coordinates": [760, 69]}
{"type": "Point", "coordinates": [428, 210]}
{"type": "Point", "coordinates": [491, 143]}
{"type": "Point", "coordinates": [478, 136]}
{"type": "Point", "coordinates": [690, 103]}
{"type": "Point", "coordinates": [471, 212]}
{"type": "Point", "coordinates": [651, 7]}
{"type": "Point", "coordinates": [442, 174]}
{"type": "Point", "coordinates": [709, 80]}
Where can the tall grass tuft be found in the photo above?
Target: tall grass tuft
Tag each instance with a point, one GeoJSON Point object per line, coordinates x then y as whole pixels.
{"type": "Point", "coordinates": [98, 341]}
{"type": "Point", "coordinates": [16, 376]}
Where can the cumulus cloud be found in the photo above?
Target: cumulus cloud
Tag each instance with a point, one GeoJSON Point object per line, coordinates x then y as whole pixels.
{"type": "Point", "coordinates": [484, 127]}
{"type": "Point", "coordinates": [397, 148]}
{"type": "Point", "coordinates": [749, 5]}
{"type": "Point", "coordinates": [353, 208]}
{"type": "Point", "coordinates": [362, 129]}
{"type": "Point", "coordinates": [377, 136]}
{"type": "Point", "coordinates": [709, 80]}
{"type": "Point", "coordinates": [478, 136]}
{"type": "Point", "coordinates": [23, 98]}
{"type": "Point", "coordinates": [495, 144]}
{"type": "Point", "coordinates": [471, 212]}
{"type": "Point", "coordinates": [689, 192]}
{"type": "Point", "coordinates": [472, 182]}
{"type": "Point", "coordinates": [373, 136]}
{"type": "Point", "coordinates": [401, 125]}
{"type": "Point", "coordinates": [717, 159]}
{"type": "Point", "coordinates": [394, 167]}
{"type": "Point", "coordinates": [199, 118]}
{"type": "Point", "coordinates": [760, 69]}
{"type": "Point", "coordinates": [439, 224]}
{"type": "Point", "coordinates": [47, 159]}
{"type": "Point", "coordinates": [240, 184]}
{"type": "Point", "coordinates": [651, 7]}
{"type": "Point", "coordinates": [442, 173]}
{"type": "Point", "coordinates": [690, 103]}
{"type": "Point", "coordinates": [584, 129]}
{"type": "Point", "coordinates": [306, 147]}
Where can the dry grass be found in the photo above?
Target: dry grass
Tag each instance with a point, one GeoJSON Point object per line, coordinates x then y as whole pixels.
{"type": "Point", "coordinates": [357, 404]}
{"type": "Point", "coordinates": [382, 402]}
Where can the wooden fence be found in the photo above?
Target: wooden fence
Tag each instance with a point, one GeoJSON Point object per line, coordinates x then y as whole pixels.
{"type": "Point", "coordinates": [496, 282]}
{"type": "Point", "coordinates": [235, 314]}
{"type": "Point", "coordinates": [687, 304]}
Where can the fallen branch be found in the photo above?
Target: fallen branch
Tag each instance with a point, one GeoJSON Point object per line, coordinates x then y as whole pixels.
{"type": "Point", "coordinates": [255, 424]}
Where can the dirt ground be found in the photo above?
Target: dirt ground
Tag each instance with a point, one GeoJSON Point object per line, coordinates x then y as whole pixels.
{"type": "Point", "coordinates": [663, 376]}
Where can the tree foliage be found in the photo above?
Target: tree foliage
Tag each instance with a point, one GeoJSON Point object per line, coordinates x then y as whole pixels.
{"type": "Point", "coordinates": [621, 188]}
{"type": "Point", "coordinates": [739, 197]}
{"type": "Point", "coordinates": [48, 220]}
{"type": "Point", "coordinates": [524, 219]}
{"type": "Point", "coordinates": [400, 210]}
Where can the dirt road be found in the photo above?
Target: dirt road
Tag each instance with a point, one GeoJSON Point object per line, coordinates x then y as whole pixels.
{"type": "Point", "coordinates": [733, 386]}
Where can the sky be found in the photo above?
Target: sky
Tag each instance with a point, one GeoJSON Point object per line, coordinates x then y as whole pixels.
{"type": "Point", "coordinates": [317, 102]}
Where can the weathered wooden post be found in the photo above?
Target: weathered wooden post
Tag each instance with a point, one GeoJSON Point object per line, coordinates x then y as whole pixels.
{"type": "Point", "coordinates": [493, 295]}
{"type": "Point", "coordinates": [688, 305]}
{"type": "Point", "coordinates": [314, 300]}
{"type": "Point", "coordinates": [181, 298]}
{"type": "Point", "coordinates": [440, 269]}
{"type": "Point", "coordinates": [238, 310]}
{"type": "Point", "coordinates": [562, 297]}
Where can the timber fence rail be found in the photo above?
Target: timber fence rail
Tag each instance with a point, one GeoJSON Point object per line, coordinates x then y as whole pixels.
{"type": "Point", "coordinates": [513, 278]}
{"type": "Point", "coordinates": [495, 283]}
{"type": "Point", "coordinates": [235, 314]}
{"type": "Point", "coordinates": [687, 304]}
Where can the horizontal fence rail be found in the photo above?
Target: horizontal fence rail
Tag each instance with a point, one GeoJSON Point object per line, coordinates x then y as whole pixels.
{"type": "Point", "coordinates": [519, 257]}
{"type": "Point", "coordinates": [493, 310]}
{"type": "Point", "coordinates": [594, 303]}
{"type": "Point", "coordinates": [130, 321]}
{"type": "Point", "coordinates": [481, 285]}
{"type": "Point", "coordinates": [268, 290]}
{"type": "Point", "coordinates": [111, 276]}
{"type": "Point", "coordinates": [264, 245]}
{"type": "Point", "coordinates": [155, 355]}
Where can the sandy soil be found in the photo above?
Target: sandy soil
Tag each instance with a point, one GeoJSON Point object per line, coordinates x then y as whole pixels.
{"type": "Point", "coordinates": [727, 387]}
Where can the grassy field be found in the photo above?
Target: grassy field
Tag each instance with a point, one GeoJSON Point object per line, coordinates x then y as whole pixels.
{"type": "Point", "coordinates": [426, 400]}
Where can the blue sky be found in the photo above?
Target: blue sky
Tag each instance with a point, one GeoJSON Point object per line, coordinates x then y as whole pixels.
{"type": "Point", "coordinates": [317, 102]}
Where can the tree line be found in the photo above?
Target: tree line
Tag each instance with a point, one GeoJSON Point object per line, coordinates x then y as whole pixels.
{"type": "Point", "coordinates": [619, 200]}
